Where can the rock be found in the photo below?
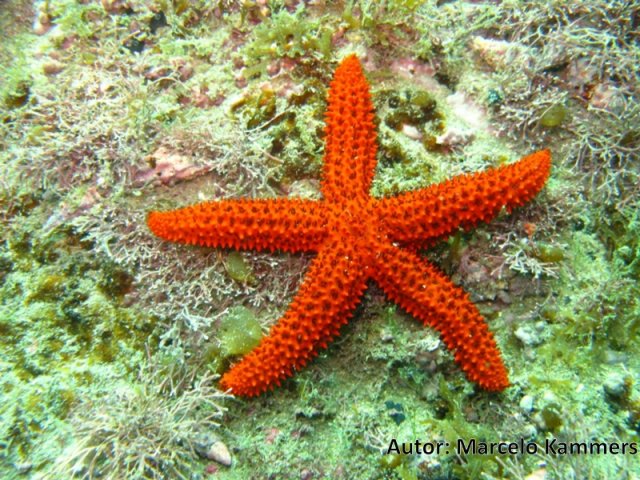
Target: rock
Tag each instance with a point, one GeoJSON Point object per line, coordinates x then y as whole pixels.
{"type": "Point", "coordinates": [411, 132]}
{"type": "Point", "coordinates": [52, 67]}
{"type": "Point", "coordinates": [168, 167]}
{"type": "Point", "coordinates": [494, 52]}
{"type": "Point", "coordinates": [550, 416]}
{"type": "Point", "coordinates": [386, 336]}
{"type": "Point", "coordinates": [615, 386]}
{"type": "Point", "coordinates": [528, 335]}
{"type": "Point", "coordinates": [529, 431]}
{"type": "Point", "coordinates": [540, 474]}
{"type": "Point", "coordinates": [612, 357]}
{"type": "Point", "coordinates": [526, 404]}
{"type": "Point", "coordinates": [218, 452]}
{"type": "Point", "coordinates": [24, 467]}
{"type": "Point", "coordinates": [549, 397]}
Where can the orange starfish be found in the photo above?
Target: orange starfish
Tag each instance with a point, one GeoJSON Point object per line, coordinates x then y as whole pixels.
{"type": "Point", "coordinates": [359, 237]}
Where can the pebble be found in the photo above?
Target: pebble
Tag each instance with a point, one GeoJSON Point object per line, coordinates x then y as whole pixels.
{"type": "Point", "coordinates": [218, 452]}
{"type": "Point", "coordinates": [526, 404]}
{"type": "Point", "coordinates": [540, 474]}
{"type": "Point", "coordinates": [52, 67]}
{"type": "Point", "coordinates": [549, 397]}
{"type": "Point", "coordinates": [411, 132]}
{"type": "Point", "coordinates": [386, 336]}
{"type": "Point", "coordinates": [529, 431]}
{"type": "Point", "coordinates": [615, 386]}
{"type": "Point", "coordinates": [528, 335]}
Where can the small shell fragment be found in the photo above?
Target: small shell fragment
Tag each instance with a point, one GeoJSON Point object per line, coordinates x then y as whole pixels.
{"type": "Point", "coordinates": [218, 452]}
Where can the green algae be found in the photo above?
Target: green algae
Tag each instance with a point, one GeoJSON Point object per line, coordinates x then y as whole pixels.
{"type": "Point", "coordinates": [406, 159]}
{"type": "Point", "coordinates": [238, 268]}
{"type": "Point", "coordinates": [61, 334]}
{"type": "Point", "coordinates": [71, 327]}
{"type": "Point", "coordinates": [239, 332]}
{"type": "Point", "coordinates": [554, 116]}
{"type": "Point", "coordinates": [287, 34]}
{"type": "Point", "coordinates": [549, 253]}
{"type": "Point", "coordinates": [294, 128]}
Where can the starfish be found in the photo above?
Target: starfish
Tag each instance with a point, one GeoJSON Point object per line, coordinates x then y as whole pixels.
{"type": "Point", "coordinates": [359, 237]}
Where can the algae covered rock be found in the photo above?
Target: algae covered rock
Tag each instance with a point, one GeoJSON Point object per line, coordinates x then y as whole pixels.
{"type": "Point", "coordinates": [554, 116]}
{"type": "Point", "coordinates": [240, 332]}
{"type": "Point", "coordinates": [238, 268]}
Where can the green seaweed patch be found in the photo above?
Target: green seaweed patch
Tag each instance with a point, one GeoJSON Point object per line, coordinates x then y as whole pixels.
{"type": "Point", "coordinates": [17, 96]}
{"type": "Point", "coordinates": [240, 332]}
{"type": "Point", "coordinates": [64, 333]}
{"type": "Point", "coordinates": [76, 19]}
{"type": "Point", "coordinates": [410, 122]}
{"type": "Point", "coordinates": [46, 288]}
{"type": "Point", "coordinates": [409, 106]}
{"type": "Point", "coordinates": [114, 280]}
{"type": "Point", "coordinates": [399, 463]}
{"type": "Point", "coordinates": [390, 461]}
{"type": "Point", "coordinates": [292, 127]}
{"type": "Point", "coordinates": [62, 308]}
{"type": "Point", "coordinates": [213, 357]}
{"type": "Point", "coordinates": [286, 34]}
{"type": "Point", "coordinates": [256, 108]}
{"type": "Point", "coordinates": [554, 116]}
{"type": "Point", "coordinates": [549, 253]}
{"type": "Point", "coordinates": [16, 86]}
{"type": "Point", "coordinates": [239, 269]}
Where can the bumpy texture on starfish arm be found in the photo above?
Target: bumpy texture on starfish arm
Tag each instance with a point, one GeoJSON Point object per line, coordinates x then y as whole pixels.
{"type": "Point", "coordinates": [327, 297]}
{"type": "Point", "coordinates": [269, 224]}
{"type": "Point", "coordinates": [358, 237]}
{"type": "Point", "coordinates": [428, 295]}
{"type": "Point", "coordinates": [350, 144]}
{"type": "Point", "coordinates": [425, 215]}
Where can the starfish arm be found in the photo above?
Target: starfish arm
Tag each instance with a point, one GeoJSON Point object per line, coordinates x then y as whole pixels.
{"type": "Point", "coordinates": [263, 224]}
{"type": "Point", "coordinates": [327, 297]}
{"type": "Point", "coordinates": [428, 295]}
{"type": "Point", "coordinates": [428, 214]}
{"type": "Point", "coordinates": [350, 142]}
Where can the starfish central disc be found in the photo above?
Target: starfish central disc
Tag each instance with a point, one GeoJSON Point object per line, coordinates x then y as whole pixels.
{"type": "Point", "coordinates": [358, 237]}
{"type": "Point", "coordinates": [359, 223]}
